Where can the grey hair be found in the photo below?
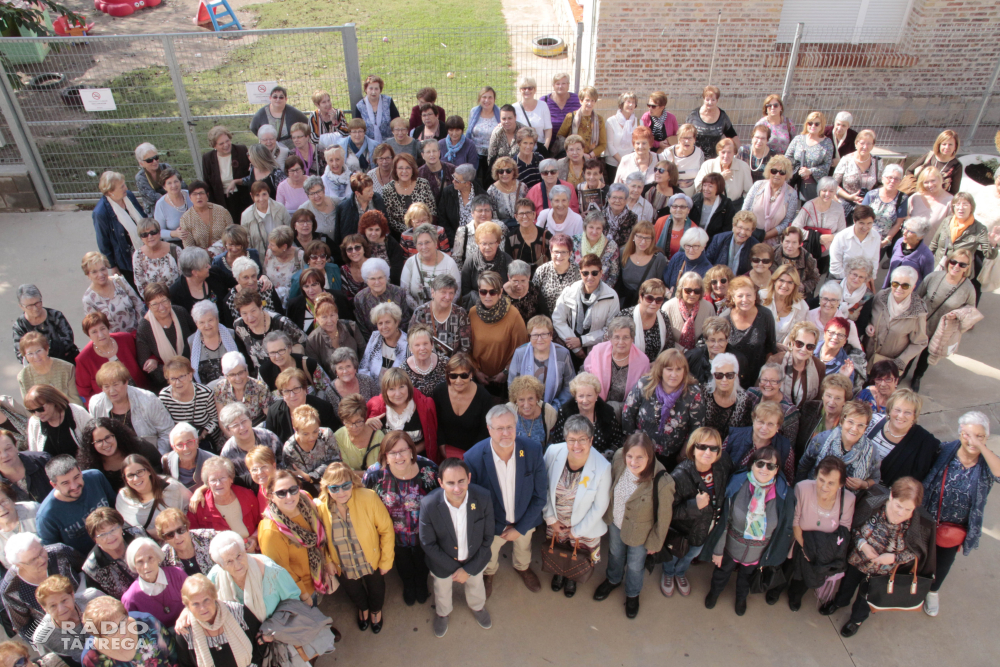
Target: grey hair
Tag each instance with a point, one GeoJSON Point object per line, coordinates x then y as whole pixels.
{"type": "Point", "coordinates": [387, 308]}
{"type": "Point", "coordinates": [919, 224]}
{"type": "Point", "coordinates": [892, 169]}
{"type": "Point", "coordinates": [230, 413]}
{"type": "Point", "coordinates": [548, 164]}
{"type": "Point", "coordinates": [222, 543]}
{"type": "Point", "coordinates": [27, 290]}
{"type": "Point", "coordinates": [243, 264]}
{"type": "Point", "coordinates": [266, 129]}
{"type": "Point", "coordinates": [426, 228]}
{"type": "Point", "coordinates": [313, 181]}
{"type": "Point", "coordinates": [832, 287]}
{"type": "Point", "coordinates": [594, 215]}
{"type": "Point", "coordinates": [621, 322]}
{"type": "Point", "coordinates": [557, 190]}
{"type": "Point", "coordinates": [518, 268]}
{"type": "Point", "coordinates": [695, 236]}
{"type": "Point", "coordinates": [679, 195]}
{"type": "Point", "coordinates": [446, 281]}
{"type": "Point", "coordinates": [578, 424]}
{"type": "Point", "coordinates": [342, 354]}
{"type": "Point", "coordinates": [725, 359]}
{"type": "Point", "coordinates": [771, 367]}
{"type": "Point", "coordinates": [147, 225]}
{"type": "Point", "coordinates": [276, 336]}
{"type": "Point", "coordinates": [217, 462]}
{"type": "Point", "coordinates": [635, 176]}
{"type": "Point", "coordinates": [373, 265]}
{"type": "Point", "coordinates": [231, 361]}
{"type": "Point", "coordinates": [18, 544]}
{"type": "Point", "coordinates": [183, 428]}
{"type": "Point", "coordinates": [691, 276]}
{"type": "Point", "coordinates": [826, 183]}
{"type": "Point", "coordinates": [142, 149]}
{"type": "Point", "coordinates": [859, 262]}
{"type": "Point", "coordinates": [59, 466]}
{"type": "Point", "coordinates": [618, 187]}
{"type": "Point", "coordinates": [908, 270]}
{"type": "Point", "coordinates": [466, 171]}
{"type": "Point", "coordinates": [844, 117]}
{"type": "Point", "coordinates": [138, 544]}
{"type": "Point", "coordinates": [193, 259]}
{"type": "Point", "coordinates": [203, 308]}
{"type": "Point", "coordinates": [971, 418]}
{"type": "Point", "coordinates": [499, 411]}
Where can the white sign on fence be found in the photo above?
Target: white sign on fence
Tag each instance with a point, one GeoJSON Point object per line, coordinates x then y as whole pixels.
{"type": "Point", "coordinates": [97, 99]}
{"type": "Point", "coordinates": [259, 92]}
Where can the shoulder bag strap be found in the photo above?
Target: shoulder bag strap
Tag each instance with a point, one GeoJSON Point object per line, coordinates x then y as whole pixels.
{"type": "Point", "coordinates": [944, 476]}
{"type": "Point", "coordinates": [525, 112]}
{"type": "Point", "coordinates": [656, 495]}
{"type": "Point", "coordinates": [945, 300]}
{"type": "Point", "coordinates": [368, 450]}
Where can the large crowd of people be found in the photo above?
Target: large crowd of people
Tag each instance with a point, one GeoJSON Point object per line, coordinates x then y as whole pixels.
{"type": "Point", "coordinates": [368, 344]}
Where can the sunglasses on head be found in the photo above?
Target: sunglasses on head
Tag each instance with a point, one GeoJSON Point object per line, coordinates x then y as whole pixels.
{"type": "Point", "coordinates": [460, 376]}
{"type": "Point", "coordinates": [720, 375]}
{"type": "Point", "coordinates": [337, 488]}
{"type": "Point", "coordinates": [649, 298]}
{"type": "Point", "coordinates": [760, 260]}
{"type": "Point", "coordinates": [490, 292]}
{"type": "Point", "coordinates": [955, 262]}
{"type": "Point", "coordinates": [802, 344]}
{"type": "Point", "coordinates": [705, 447]}
{"type": "Point", "coordinates": [505, 171]}
{"type": "Point", "coordinates": [173, 533]}
{"type": "Point", "coordinates": [775, 170]}
{"type": "Point", "coordinates": [150, 160]}
{"type": "Point", "coordinates": [896, 284]}
{"type": "Point", "coordinates": [284, 493]}
{"type": "Point", "coordinates": [693, 290]}
{"type": "Point", "coordinates": [765, 464]}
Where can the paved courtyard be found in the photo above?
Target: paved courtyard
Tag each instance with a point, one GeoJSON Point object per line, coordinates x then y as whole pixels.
{"type": "Point", "coordinates": [547, 629]}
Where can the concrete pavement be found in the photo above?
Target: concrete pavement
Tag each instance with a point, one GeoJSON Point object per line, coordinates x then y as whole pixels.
{"type": "Point", "coordinates": [547, 629]}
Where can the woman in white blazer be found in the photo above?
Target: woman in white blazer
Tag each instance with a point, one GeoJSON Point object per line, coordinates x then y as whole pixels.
{"type": "Point", "coordinates": [578, 495]}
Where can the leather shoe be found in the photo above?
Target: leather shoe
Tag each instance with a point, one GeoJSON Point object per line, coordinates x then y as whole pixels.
{"type": "Point", "coordinates": [488, 584]}
{"type": "Point", "coordinates": [794, 605]}
{"type": "Point", "coordinates": [710, 600]}
{"type": "Point", "coordinates": [570, 589]}
{"type": "Point", "coordinates": [632, 607]}
{"type": "Point", "coordinates": [850, 629]}
{"type": "Point", "coordinates": [741, 607]}
{"type": "Point", "coordinates": [557, 583]}
{"type": "Point", "coordinates": [409, 595]}
{"type": "Point", "coordinates": [336, 634]}
{"type": "Point", "coordinates": [422, 593]}
{"type": "Point", "coordinates": [604, 590]}
{"type": "Point", "coordinates": [377, 626]}
{"type": "Point", "coordinates": [915, 386]}
{"type": "Point", "coordinates": [772, 596]}
{"type": "Point", "coordinates": [530, 580]}
{"type": "Point", "coordinates": [362, 623]}
{"type": "Point", "coordinates": [828, 609]}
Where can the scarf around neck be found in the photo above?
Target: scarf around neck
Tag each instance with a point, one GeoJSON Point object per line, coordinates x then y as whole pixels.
{"type": "Point", "coordinates": [233, 630]}
{"type": "Point", "coordinates": [585, 309]}
{"type": "Point", "coordinates": [128, 218]}
{"type": "Point", "coordinates": [958, 228]}
{"type": "Point", "coordinates": [396, 421]}
{"type": "Point", "coordinates": [640, 340]}
{"type": "Point", "coordinates": [552, 377]}
{"type": "Point", "coordinates": [253, 588]}
{"type": "Point", "coordinates": [164, 349]}
{"type": "Point", "coordinates": [797, 391]}
{"type": "Point", "coordinates": [756, 527]}
{"type": "Point", "coordinates": [378, 122]}
{"type": "Point", "coordinates": [596, 249]}
{"type": "Point", "coordinates": [595, 127]}
{"type": "Point", "coordinates": [688, 333]}
{"type": "Point", "coordinates": [898, 309]}
{"type": "Point", "coordinates": [658, 125]}
{"type": "Point", "coordinates": [451, 152]}
{"type": "Point", "coordinates": [313, 538]}
{"type": "Point", "coordinates": [859, 460]}
{"type": "Point", "coordinates": [496, 313]}
{"type": "Point", "coordinates": [666, 401]}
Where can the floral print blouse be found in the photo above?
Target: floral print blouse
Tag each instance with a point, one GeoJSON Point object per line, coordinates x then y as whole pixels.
{"type": "Point", "coordinates": [281, 273]}
{"type": "Point", "coordinates": [402, 497]}
{"type": "Point", "coordinates": [504, 202]}
{"type": "Point", "coordinates": [254, 344]}
{"type": "Point", "coordinates": [256, 397]}
{"type": "Point", "coordinates": [161, 270]}
{"type": "Point", "coordinates": [610, 259]}
{"type": "Point", "coordinates": [124, 309]}
{"type": "Point", "coordinates": [850, 177]}
{"type": "Point", "coordinates": [883, 537]}
{"type": "Point", "coordinates": [781, 134]}
{"type": "Point", "coordinates": [397, 204]}
{"type": "Point", "coordinates": [643, 414]}
{"type": "Point", "coordinates": [155, 647]}
{"type": "Point", "coordinates": [324, 452]}
{"type": "Point", "coordinates": [816, 158]}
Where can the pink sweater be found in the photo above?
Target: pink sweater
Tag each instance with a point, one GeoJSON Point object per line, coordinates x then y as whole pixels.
{"type": "Point", "coordinates": [598, 362]}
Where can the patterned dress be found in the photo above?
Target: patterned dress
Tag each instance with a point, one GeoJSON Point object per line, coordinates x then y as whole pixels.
{"type": "Point", "coordinates": [722, 419]}
{"type": "Point", "coordinates": [426, 382]}
{"type": "Point", "coordinates": [281, 273]}
{"type": "Point", "coordinates": [569, 482]}
{"type": "Point", "coordinates": [254, 343]}
{"type": "Point", "coordinates": [455, 331]}
{"type": "Point", "coordinates": [402, 497]}
{"type": "Point", "coordinates": [256, 397]}
{"type": "Point", "coordinates": [504, 202]}
{"type": "Point", "coordinates": [884, 537]}
{"type": "Point", "coordinates": [202, 235]}
{"type": "Point", "coordinates": [396, 204]}
{"type": "Point", "coordinates": [268, 296]}
{"type": "Point", "coordinates": [315, 461]}
{"type": "Point", "coordinates": [56, 328]}
{"type": "Point", "coordinates": [156, 647]}
{"type": "Point", "coordinates": [365, 301]}
{"type": "Point", "coordinates": [552, 284]}
{"type": "Point", "coordinates": [124, 309]}
{"type": "Point", "coordinates": [816, 158]}
{"type": "Point", "coordinates": [161, 270]}
{"type": "Point", "coordinates": [349, 285]}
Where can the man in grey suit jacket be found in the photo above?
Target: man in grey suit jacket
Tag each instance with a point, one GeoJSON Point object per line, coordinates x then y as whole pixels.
{"type": "Point", "coordinates": [456, 533]}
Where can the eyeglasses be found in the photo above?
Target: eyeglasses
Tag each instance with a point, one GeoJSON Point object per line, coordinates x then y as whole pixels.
{"type": "Point", "coordinates": [277, 353]}
{"type": "Point", "coordinates": [354, 248]}
{"type": "Point", "coordinates": [38, 410]}
{"type": "Point", "coordinates": [398, 454]}
{"type": "Point", "coordinates": [258, 470]}
{"type": "Point", "coordinates": [955, 262]}
{"type": "Point", "coordinates": [291, 391]}
{"type": "Point", "coordinates": [760, 260]}
{"type": "Point", "coordinates": [760, 465]}
{"type": "Point", "coordinates": [488, 292]}
{"type": "Point", "coordinates": [588, 274]}
{"type": "Point", "coordinates": [148, 234]}
{"type": "Point", "coordinates": [680, 205]}
{"type": "Point", "coordinates": [898, 285]}
{"type": "Point", "coordinates": [660, 170]}
{"type": "Point", "coordinates": [540, 336]}
{"type": "Point", "coordinates": [888, 379]}
{"type": "Point", "coordinates": [286, 493]}
{"type": "Point", "coordinates": [835, 336]}
{"type": "Point", "coordinates": [177, 379]}
{"type": "Point", "coordinates": [773, 105]}
{"type": "Point", "coordinates": [459, 376]}
{"type": "Point", "coordinates": [649, 298]}
{"type": "Point", "coordinates": [720, 281]}
{"type": "Point", "coordinates": [505, 171]}
{"type": "Point", "coordinates": [799, 344]}
{"type": "Point", "coordinates": [182, 530]}
{"type": "Point", "coordinates": [109, 533]}
{"type": "Point", "coordinates": [524, 214]}
{"type": "Point", "coordinates": [768, 383]}
{"type": "Point", "coordinates": [150, 160]}
{"type": "Point", "coordinates": [138, 474]}
{"type": "Point", "coordinates": [705, 447]}
{"type": "Point", "coordinates": [337, 488]}
{"type": "Point", "coordinates": [775, 170]}
{"type": "Point", "coordinates": [693, 290]}
{"type": "Point", "coordinates": [160, 303]}
{"type": "Point", "coordinates": [728, 376]}
{"type": "Point", "coordinates": [828, 301]}
{"type": "Point", "coordinates": [548, 172]}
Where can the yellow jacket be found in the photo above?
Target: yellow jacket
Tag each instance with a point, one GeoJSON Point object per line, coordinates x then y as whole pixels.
{"type": "Point", "coordinates": [372, 524]}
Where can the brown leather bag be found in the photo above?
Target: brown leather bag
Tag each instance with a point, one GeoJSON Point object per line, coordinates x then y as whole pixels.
{"type": "Point", "coordinates": [570, 560]}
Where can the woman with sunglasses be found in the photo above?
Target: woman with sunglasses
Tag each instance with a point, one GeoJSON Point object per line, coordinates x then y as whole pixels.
{"type": "Point", "coordinates": [497, 330]}
{"type": "Point", "coordinates": [55, 425]}
{"type": "Point", "coordinates": [943, 293]}
{"type": "Point", "coordinates": [156, 259]}
{"type": "Point", "coordinates": [726, 402]}
{"type": "Point", "coordinates": [355, 251]}
{"type": "Point", "coordinates": [149, 188]}
{"type": "Point", "coordinates": [146, 493]}
{"type": "Point", "coordinates": [360, 541]}
{"type": "Point", "coordinates": [716, 286]}
{"type": "Point", "coordinates": [898, 322]}
{"type": "Point", "coordinates": [848, 442]}
{"type": "Point", "coordinates": [183, 546]}
{"type": "Point", "coordinates": [772, 200]}
{"type": "Point", "coordinates": [803, 372]}
{"type": "Point", "coordinates": [782, 129]}
{"type": "Point", "coordinates": [783, 298]}
{"type": "Point", "coordinates": [664, 186]}
{"type": "Point", "coordinates": [461, 406]}
{"type": "Point", "coordinates": [402, 478]}
{"type": "Point", "coordinates": [811, 153]}
{"type": "Point", "coordinates": [687, 311]}
{"type": "Point", "coordinates": [105, 565]}
{"type": "Point", "coordinates": [649, 318]}
{"type": "Point", "coordinates": [700, 480]}
{"type": "Point", "coordinates": [755, 526]}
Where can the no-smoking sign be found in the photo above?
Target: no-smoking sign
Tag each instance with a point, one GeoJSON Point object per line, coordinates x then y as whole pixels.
{"type": "Point", "coordinates": [259, 92]}
{"type": "Point", "coordinates": [98, 99]}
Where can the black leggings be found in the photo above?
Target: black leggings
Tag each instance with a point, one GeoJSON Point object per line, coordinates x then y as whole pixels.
{"type": "Point", "coordinates": [412, 568]}
{"type": "Point", "coordinates": [367, 593]}
{"type": "Point", "coordinates": [720, 577]}
{"type": "Point", "coordinates": [854, 580]}
{"type": "Point", "coordinates": [945, 559]}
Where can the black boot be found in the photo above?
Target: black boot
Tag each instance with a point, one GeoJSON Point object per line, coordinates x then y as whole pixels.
{"type": "Point", "coordinates": [632, 607]}
{"type": "Point", "coordinates": [557, 583]}
{"type": "Point", "coordinates": [604, 590]}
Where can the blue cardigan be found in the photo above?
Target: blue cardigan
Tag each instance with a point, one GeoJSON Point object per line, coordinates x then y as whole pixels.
{"type": "Point", "coordinates": [739, 442]}
{"type": "Point", "coordinates": [718, 252]}
{"type": "Point", "coordinates": [531, 485]}
{"type": "Point", "coordinates": [113, 239]}
{"type": "Point", "coordinates": [932, 490]}
{"type": "Point", "coordinates": [680, 264]}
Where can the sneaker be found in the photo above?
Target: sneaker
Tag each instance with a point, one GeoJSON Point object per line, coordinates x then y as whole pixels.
{"type": "Point", "coordinates": [667, 585]}
{"type": "Point", "coordinates": [931, 606]}
{"type": "Point", "coordinates": [683, 586]}
{"type": "Point", "coordinates": [440, 625]}
{"type": "Point", "coordinates": [483, 618]}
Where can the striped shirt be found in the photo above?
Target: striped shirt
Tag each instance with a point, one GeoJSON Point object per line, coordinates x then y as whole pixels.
{"type": "Point", "coordinates": [199, 412]}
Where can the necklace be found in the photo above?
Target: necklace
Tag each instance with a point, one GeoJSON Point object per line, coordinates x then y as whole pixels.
{"type": "Point", "coordinates": [893, 434]}
{"type": "Point", "coordinates": [527, 427]}
{"type": "Point", "coordinates": [760, 162]}
{"type": "Point", "coordinates": [620, 363]}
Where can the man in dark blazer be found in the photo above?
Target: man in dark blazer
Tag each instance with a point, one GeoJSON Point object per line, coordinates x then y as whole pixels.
{"type": "Point", "coordinates": [734, 247]}
{"type": "Point", "coordinates": [456, 533]}
{"type": "Point", "coordinates": [348, 211]}
{"type": "Point", "coordinates": [512, 469]}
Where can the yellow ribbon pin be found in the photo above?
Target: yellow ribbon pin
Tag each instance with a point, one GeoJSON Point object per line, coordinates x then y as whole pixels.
{"type": "Point", "coordinates": [583, 482]}
{"type": "Point", "coordinates": [472, 506]}
{"type": "Point", "coordinates": [521, 451]}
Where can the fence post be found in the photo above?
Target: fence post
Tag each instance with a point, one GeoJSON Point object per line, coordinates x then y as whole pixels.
{"type": "Point", "coordinates": [786, 90]}
{"type": "Point", "coordinates": [579, 57]}
{"type": "Point", "coordinates": [352, 63]}
{"type": "Point", "coordinates": [29, 152]}
{"type": "Point", "coordinates": [982, 106]}
{"type": "Point", "coordinates": [182, 102]}
{"type": "Point", "coordinates": [715, 47]}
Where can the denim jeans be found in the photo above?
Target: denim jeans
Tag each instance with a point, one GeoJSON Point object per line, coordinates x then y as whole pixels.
{"type": "Point", "coordinates": [626, 561]}
{"type": "Point", "coordinates": [678, 567]}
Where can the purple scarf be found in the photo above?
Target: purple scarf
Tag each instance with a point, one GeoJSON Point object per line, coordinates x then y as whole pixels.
{"type": "Point", "coordinates": [667, 402]}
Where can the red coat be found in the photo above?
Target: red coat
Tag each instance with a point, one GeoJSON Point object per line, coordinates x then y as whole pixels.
{"type": "Point", "coordinates": [428, 420]}
{"type": "Point", "coordinates": [88, 362]}
{"type": "Point", "coordinates": [208, 515]}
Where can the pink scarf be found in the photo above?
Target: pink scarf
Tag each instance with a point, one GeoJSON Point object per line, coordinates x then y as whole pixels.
{"type": "Point", "coordinates": [688, 334]}
{"type": "Point", "coordinates": [770, 214]}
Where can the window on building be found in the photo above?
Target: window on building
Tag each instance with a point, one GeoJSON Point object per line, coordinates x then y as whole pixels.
{"type": "Point", "coordinates": [844, 21]}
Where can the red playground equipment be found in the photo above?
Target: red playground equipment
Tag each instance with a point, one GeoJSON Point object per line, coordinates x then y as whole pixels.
{"type": "Point", "coordinates": [121, 8]}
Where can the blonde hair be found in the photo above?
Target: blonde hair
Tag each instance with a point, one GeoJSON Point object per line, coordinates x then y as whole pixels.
{"type": "Point", "coordinates": [926, 173]}
{"type": "Point", "coordinates": [670, 358]}
{"type": "Point", "coordinates": [585, 379]}
{"type": "Point", "coordinates": [417, 208]}
{"type": "Point", "coordinates": [767, 409]}
{"type": "Point", "coordinates": [91, 258]}
{"type": "Point", "coordinates": [336, 473]}
{"type": "Point", "coordinates": [198, 583]}
{"type": "Point", "coordinates": [526, 383]}
{"type": "Point", "coordinates": [574, 139]}
{"type": "Point", "coordinates": [588, 92]}
{"type": "Point", "coordinates": [791, 272]}
{"type": "Point", "coordinates": [487, 228]}
{"type": "Point", "coordinates": [698, 435]}
{"type": "Point", "coordinates": [814, 115]}
{"type": "Point", "coordinates": [109, 181]}
{"type": "Point", "coordinates": [304, 416]}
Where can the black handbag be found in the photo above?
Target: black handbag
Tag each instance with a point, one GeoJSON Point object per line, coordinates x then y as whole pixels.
{"type": "Point", "coordinates": [764, 578]}
{"type": "Point", "coordinates": [675, 544]}
{"type": "Point", "coordinates": [898, 592]}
